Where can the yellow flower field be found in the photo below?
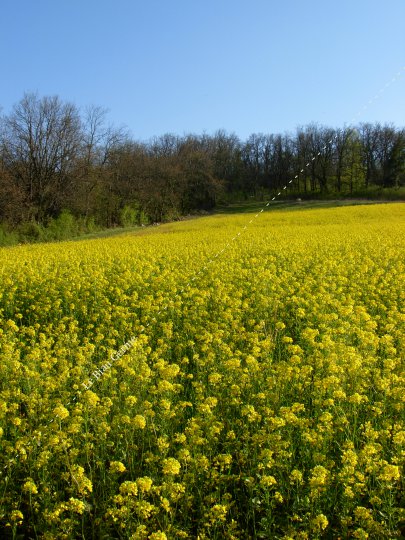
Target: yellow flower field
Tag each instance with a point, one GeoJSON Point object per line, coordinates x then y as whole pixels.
{"type": "Point", "coordinates": [189, 381]}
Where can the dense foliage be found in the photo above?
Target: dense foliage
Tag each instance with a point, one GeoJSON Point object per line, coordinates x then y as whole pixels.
{"type": "Point", "coordinates": [55, 158]}
{"type": "Point", "coordinates": [262, 395]}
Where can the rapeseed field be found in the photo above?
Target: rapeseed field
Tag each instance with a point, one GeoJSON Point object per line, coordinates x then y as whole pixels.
{"type": "Point", "coordinates": [193, 382]}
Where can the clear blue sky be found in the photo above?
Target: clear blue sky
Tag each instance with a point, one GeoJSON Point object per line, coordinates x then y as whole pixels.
{"type": "Point", "coordinates": [186, 66]}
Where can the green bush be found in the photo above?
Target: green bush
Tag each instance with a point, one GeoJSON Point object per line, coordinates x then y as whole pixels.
{"type": "Point", "coordinates": [172, 215]}
{"type": "Point", "coordinates": [128, 216]}
{"type": "Point", "coordinates": [30, 231]}
{"type": "Point", "coordinates": [90, 225]}
{"type": "Point", "coordinates": [65, 226]}
{"type": "Point", "coordinates": [7, 238]}
{"type": "Point", "coordinates": [143, 218]}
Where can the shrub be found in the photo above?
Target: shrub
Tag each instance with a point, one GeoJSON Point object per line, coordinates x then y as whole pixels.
{"type": "Point", "coordinates": [30, 231]}
{"type": "Point", "coordinates": [128, 216]}
{"type": "Point", "coordinates": [7, 238]}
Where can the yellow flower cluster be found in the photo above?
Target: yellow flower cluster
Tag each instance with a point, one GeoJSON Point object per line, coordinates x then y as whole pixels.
{"type": "Point", "coordinates": [239, 389]}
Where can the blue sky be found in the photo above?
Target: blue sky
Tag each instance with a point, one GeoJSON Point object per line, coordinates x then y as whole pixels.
{"type": "Point", "coordinates": [186, 66]}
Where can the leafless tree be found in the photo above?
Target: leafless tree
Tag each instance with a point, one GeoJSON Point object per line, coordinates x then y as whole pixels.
{"type": "Point", "coordinates": [41, 141]}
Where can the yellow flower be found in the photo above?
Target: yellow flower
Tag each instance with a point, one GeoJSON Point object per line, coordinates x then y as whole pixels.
{"type": "Point", "coordinates": [139, 421]}
{"type": "Point", "coordinates": [360, 534]}
{"type": "Point", "coordinates": [319, 480]}
{"type": "Point", "coordinates": [11, 324]}
{"type": "Point", "coordinates": [268, 481]}
{"type": "Point", "coordinates": [131, 400]}
{"type": "Point", "coordinates": [356, 398]}
{"type": "Point", "coordinates": [163, 444]}
{"type": "Point", "coordinates": [363, 514]}
{"type": "Point", "coordinates": [180, 438]}
{"type": "Point", "coordinates": [349, 493]}
{"type": "Point", "coordinates": [17, 516]}
{"type": "Point", "coordinates": [320, 522]}
{"type": "Point", "coordinates": [223, 460]}
{"type": "Point", "coordinates": [184, 454]}
{"type": "Point", "coordinates": [214, 378]}
{"type": "Point", "coordinates": [144, 483]}
{"type": "Point", "coordinates": [217, 513]}
{"type": "Point", "coordinates": [117, 467]}
{"type": "Point", "coordinates": [159, 535]}
{"type": "Point", "coordinates": [296, 476]}
{"type": "Point", "coordinates": [61, 412]}
{"type": "Point", "coordinates": [129, 488]}
{"type": "Point", "coordinates": [144, 509]}
{"type": "Point", "coordinates": [75, 505]}
{"type": "Point", "coordinates": [171, 466]}
{"type": "Point", "coordinates": [141, 533]}
{"type": "Point", "coordinates": [91, 398]}
{"type": "Point", "coordinates": [30, 487]}
{"type": "Point", "coordinates": [165, 504]}
{"type": "Point", "coordinates": [389, 473]}
{"type": "Point", "coordinates": [83, 484]}
{"type": "Point", "coordinates": [249, 368]}
{"type": "Point", "coordinates": [399, 438]}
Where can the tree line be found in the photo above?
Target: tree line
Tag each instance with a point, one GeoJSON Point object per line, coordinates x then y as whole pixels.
{"type": "Point", "coordinates": [55, 158]}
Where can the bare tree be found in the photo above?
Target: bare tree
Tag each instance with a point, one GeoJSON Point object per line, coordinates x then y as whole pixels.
{"type": "Point", "coordinates": [343, 140]}
{"type": "Point", "coordinates": [41, 141]}
{"type": "Point", "coordinates": [13, 207]}
{"type": "Point", "coordinates": [390, 155]}
{"type": "Point", "coordinates": [99, 140]}
{"type": "Point", "coordinates": [369, 145]}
